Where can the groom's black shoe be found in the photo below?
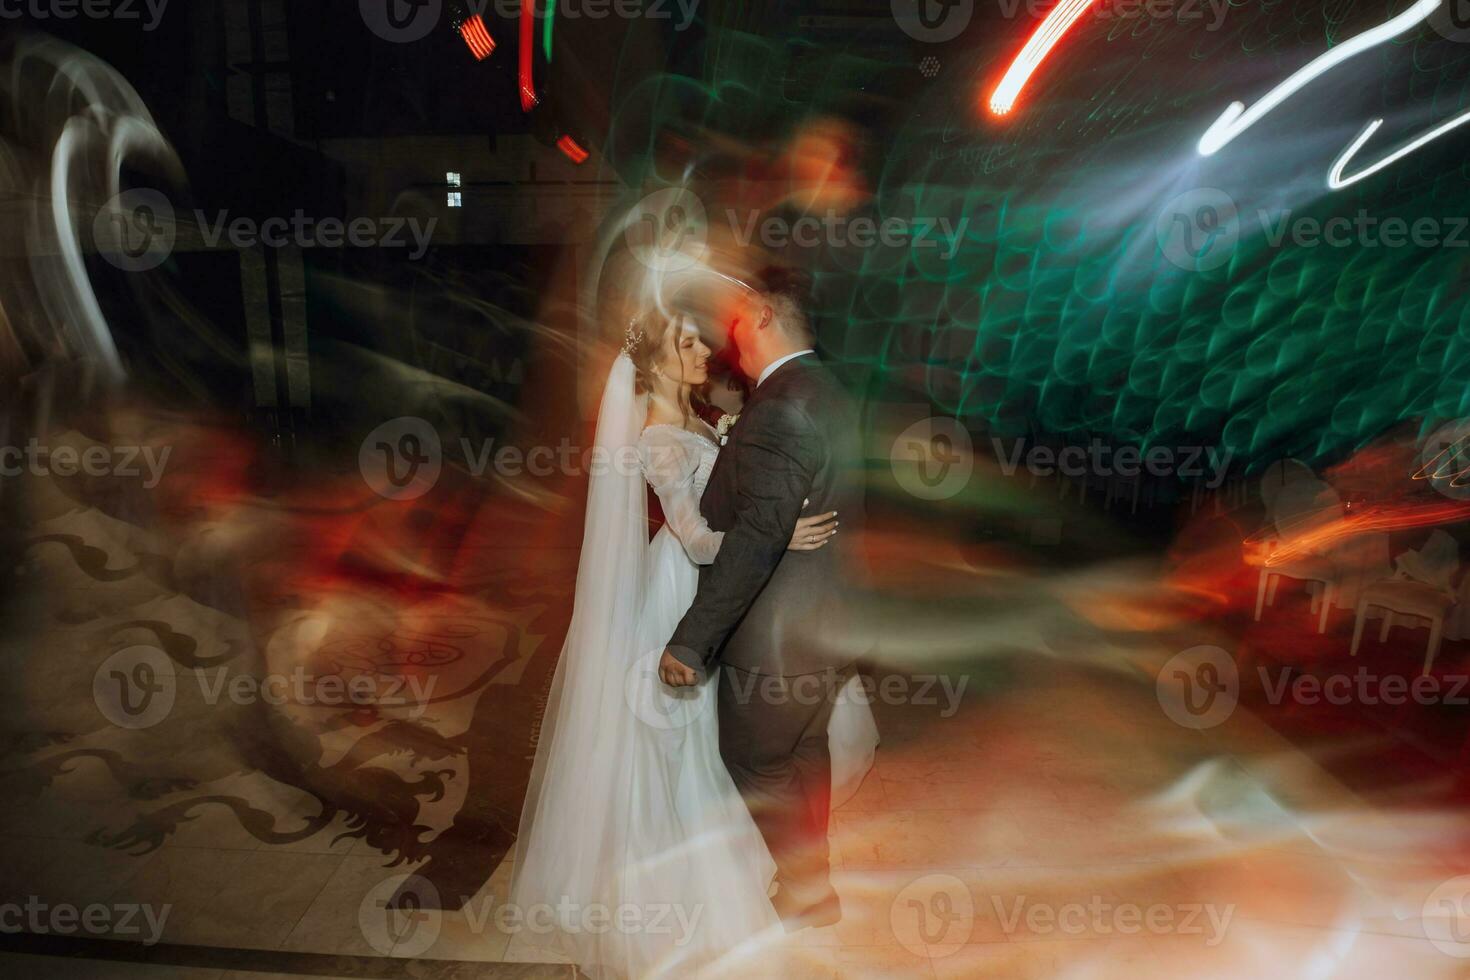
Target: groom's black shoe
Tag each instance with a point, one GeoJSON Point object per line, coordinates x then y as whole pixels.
{"type": "Point", "coordinates": [796, 915]}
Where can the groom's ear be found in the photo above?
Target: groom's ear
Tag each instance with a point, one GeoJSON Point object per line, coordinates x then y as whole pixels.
{"type": "Point", "coordinates": [767, 315]}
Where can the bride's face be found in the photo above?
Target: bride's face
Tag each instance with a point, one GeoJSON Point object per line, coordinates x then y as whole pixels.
{"type": "Point", "coordinates": [685, 358]}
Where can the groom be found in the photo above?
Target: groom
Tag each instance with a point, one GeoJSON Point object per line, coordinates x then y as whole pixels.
{"type": "Point", "coordinates": [776, 621]}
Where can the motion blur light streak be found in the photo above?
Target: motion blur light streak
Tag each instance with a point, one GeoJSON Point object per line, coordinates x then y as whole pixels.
{"type": "Point", "coordinates": [1337, 181]}
{"type": "Point", "coordinates": [1382, 517]}
{"type": "Point", "coordinates": [1046, 36]}
{"type": "Point", "coordinates": [1452, 462]}
{"type": "Point", "coordinates": [477, 36]}
{"type": "Point", "coordinates": [572, 150]}
{"type": "Point", "coordinates": [1054, 304]}
{"type": "Point", "coordinates": [1236, 119]}
{"type": "Point", "coordinates": [527, 42]}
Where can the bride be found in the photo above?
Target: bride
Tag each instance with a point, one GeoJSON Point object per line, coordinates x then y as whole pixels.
{"type": "Point", "coordinates": [636, 856]}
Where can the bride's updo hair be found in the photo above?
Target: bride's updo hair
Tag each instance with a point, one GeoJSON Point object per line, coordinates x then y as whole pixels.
{"type": "Point", "coordinates": [651, 337]}
{"type": "Point", "coordinates": [648, 336]}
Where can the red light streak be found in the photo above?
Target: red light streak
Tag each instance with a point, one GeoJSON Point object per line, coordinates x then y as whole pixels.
{"type": "Point", "coordinates": [528, 28]}
{"type": "Point", "coordinates": [573, 151]}
{"type": "Point", "coordinates": [477, 36]}
{"type": "Point", "coordinates": [1046, 36]}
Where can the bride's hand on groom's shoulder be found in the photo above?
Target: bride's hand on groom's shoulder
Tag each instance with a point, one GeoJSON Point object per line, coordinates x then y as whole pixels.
{"type": "Point", "coordinates": [674, 673]}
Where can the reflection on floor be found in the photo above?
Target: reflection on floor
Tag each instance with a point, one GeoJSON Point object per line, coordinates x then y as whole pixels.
{"type": "Point", "coordinates": [1058, 824]}
{"type": "Point", "coordinates": [1054, 822]}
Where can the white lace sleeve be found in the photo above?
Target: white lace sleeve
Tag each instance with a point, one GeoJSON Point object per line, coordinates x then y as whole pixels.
{"type": "Point", "coordinates": [669, 466]}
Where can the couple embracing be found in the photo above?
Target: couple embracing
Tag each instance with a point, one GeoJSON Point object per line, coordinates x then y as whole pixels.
{"type": "Point", "coordinates": [704, 713]}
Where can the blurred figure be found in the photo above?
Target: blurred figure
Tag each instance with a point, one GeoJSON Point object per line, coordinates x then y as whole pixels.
{"type": "Point", "coordinates": [668, 826]}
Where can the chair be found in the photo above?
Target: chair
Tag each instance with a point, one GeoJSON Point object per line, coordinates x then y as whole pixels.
{"type": "Point", "coordinates": [1403, 597]}
{"type": "Point", "coordinates": [1297, 503]}
{"type": "Point", "coordinates": [1421, 589]}
{"type": "Point", "coordinates": [1319, 574]}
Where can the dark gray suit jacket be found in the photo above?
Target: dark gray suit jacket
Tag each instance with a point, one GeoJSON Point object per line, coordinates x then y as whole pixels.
{"type": "Point", "coordinates": [760, 607]}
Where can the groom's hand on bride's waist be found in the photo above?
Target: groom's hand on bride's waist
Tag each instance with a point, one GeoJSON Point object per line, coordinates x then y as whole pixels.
{"type": "Point", "coordinates": [676, 674]}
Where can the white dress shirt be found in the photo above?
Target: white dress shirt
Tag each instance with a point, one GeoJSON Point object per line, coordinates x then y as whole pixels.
{"type": "Point", "coordinates": [771, 368]}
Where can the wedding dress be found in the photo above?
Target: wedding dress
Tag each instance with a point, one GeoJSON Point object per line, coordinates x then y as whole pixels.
{"type": "Point", "coordinates": [629, 806]}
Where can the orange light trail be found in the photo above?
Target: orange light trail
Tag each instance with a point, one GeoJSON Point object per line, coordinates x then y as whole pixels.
{"type": "Point", "coordinates": [1455, 455]}
{"type": "Point", "coordinates": [1379, 518]}
{"type": "Point", "coordinates": [1056, 24]}
{"type": "Point", "coordinates": [477, 36]}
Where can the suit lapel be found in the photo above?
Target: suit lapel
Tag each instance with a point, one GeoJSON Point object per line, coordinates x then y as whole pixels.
{"type": "Point", "coordinates": [714, 505]}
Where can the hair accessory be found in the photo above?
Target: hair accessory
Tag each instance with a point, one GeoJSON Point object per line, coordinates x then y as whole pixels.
{"type": "Point", "coordinates": [632, 338]}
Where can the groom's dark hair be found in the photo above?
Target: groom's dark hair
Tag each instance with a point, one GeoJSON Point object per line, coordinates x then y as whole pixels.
{"type": "Point", "coordinates": [789, 291]}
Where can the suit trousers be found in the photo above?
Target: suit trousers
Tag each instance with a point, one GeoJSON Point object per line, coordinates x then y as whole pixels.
{"type": "Point", "coordinates": [773, 740]}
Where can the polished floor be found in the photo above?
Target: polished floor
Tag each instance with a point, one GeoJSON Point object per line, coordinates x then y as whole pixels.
{"type": "Point", "coordinates": [1034, 810]}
